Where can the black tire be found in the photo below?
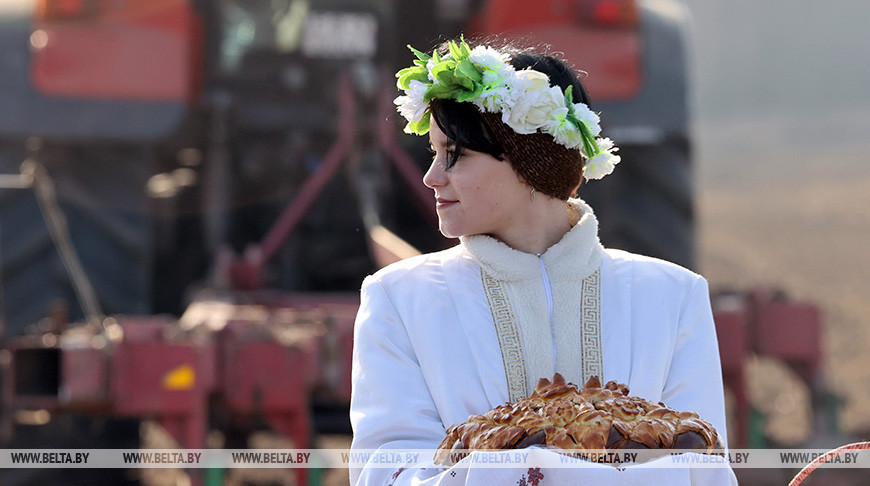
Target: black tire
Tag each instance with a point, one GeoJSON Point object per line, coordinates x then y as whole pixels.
{"type": "Point", "coordinates": [646, 205]}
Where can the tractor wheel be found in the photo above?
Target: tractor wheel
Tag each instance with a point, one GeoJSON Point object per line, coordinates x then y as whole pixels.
{"type": "Point", "coordinates": [646, 206]}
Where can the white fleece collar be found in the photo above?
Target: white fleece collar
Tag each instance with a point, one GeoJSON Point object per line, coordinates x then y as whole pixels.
{"type": "Point", "coordinates": [576, 256]}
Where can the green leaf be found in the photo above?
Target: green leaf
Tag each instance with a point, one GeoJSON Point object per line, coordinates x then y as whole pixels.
{"type": "Point", "coordinates": [420, 55]}
{"type": "Point", "coordinates": [443, 92]}
{"type": "Point", "coordinates": [455, 78]}
{"type": "Point", "coordinates": [411, 73]}
{"type": "Point", "coordinates": [569, 98]}
{"type": "Point", "coordinates": [464, 49]}
{"type": "Point", "coordinates": [589, 145]}
{"type": "Point", "coordinates": [471, 94]}
{"type": "Point", "coordinates": [420, 127]}
{"type": "Point", "coordinates": [455, 52]}
{"type": "Point", "coordinates": [467, 69]}
{"type": "Point", "coordinates": [443, 71]}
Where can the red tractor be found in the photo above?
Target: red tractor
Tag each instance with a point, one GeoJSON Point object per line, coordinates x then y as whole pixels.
{"type": "Point", "coordinates": [201, 186]}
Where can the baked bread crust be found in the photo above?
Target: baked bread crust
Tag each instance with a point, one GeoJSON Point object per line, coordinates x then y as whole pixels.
{"type": "Point", "coordinates": [595, 417]}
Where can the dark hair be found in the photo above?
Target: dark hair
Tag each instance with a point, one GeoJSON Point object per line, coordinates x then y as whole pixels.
{"type": "Point", "coordinates": [464, 124]}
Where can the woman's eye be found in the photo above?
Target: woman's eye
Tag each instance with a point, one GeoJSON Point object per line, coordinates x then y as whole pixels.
{"type": "Point", "coordinates": [451, 156]}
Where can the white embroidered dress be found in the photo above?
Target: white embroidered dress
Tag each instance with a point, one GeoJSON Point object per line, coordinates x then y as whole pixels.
{"type": "Point", "coordinates": [449, 334]}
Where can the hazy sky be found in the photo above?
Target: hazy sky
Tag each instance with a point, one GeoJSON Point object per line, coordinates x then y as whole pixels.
{"type": "Point", "coordinates": [787, 56]}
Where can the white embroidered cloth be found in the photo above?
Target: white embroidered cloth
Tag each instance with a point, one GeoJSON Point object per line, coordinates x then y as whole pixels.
{"type": "Point", "coordinates": [541, 467]}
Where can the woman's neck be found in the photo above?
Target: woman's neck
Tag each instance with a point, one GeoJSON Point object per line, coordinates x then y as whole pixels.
{"type": "Point", "coordinates": [542, 226]}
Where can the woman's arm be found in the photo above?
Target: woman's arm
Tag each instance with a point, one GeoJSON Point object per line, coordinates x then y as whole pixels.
{"type": "Point", "coordinates": [391, 406]}
{"type": "Point", "coordinates": [694, 381]}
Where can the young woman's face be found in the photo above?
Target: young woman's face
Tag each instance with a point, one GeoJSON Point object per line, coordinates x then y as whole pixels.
{"type": "Point", "coordinates": [478, 195]}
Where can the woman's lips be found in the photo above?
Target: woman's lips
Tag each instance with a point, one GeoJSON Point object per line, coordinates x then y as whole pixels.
{"type": "Point", "coordinates": [441, 203]}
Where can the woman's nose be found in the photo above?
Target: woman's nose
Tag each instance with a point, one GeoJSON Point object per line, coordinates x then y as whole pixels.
{"type": "Point", "coordinates": [435, 176]}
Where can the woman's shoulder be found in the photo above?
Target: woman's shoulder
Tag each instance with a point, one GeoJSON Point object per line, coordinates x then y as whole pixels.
{"type": "Point", "coordinates": [417, 268]}
{"type": "Point", "coordinates": [644, 268]}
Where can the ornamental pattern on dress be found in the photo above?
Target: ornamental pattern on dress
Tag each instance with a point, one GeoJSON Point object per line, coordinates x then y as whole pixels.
{"type": "Point", "coordinates": [590, 328]}
{"type": "Point", "coordinates": [508, 336]}
{"type": "Point", "coordinates": [507, 330]}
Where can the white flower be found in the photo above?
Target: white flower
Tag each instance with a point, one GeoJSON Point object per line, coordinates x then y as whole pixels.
{"type": "Point", "coordinates": [565, 133]}
{"type": "Point", "coordinates": [603, 163]}
{"type": "Point", "coordinates": [496, 77]}
{"type": "Point", "coordinates": [488, 58]}
{"type": "Point", "coordinates": [412, 106]}
{"type": "Point", "coordinates": [496, 95]}
{"type": "Point", "coordinates": [588, 117]}
{"type": "Point", "coordinates": [493, 99]}
{"type": "Point", "coordinates": [606, 145]}
{"type": "Point", "coordinates": [528, 80]}
{"type": "Point", "coordinates": [493, 65]}
{"type": "Point", "coordinates": [536, 105]}
{"type": "Point", "coordinates": [600, 165]}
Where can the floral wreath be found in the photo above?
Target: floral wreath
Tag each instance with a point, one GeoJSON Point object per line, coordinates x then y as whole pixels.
{"type": "Point", "coordinates": [525, 99]}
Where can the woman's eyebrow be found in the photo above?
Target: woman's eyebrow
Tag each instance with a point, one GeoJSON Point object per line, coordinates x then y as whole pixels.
{"type": "Point", "coordinates": [447, 144]}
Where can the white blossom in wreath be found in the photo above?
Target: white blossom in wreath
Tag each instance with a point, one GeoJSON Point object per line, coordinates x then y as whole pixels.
{"type": "Point", "coordinates": [493, 99]}
{"type": "Point", "coordinates": [603, 163]}
{"type": "Point", "coordinates": [588, 117]}
{"type": "Point", "coordinates": [528, 80]}
{"type": "Point", "coordinates": [494, 65]}
{"type": "Point", "coordinates": [535, 105]}
{"type": "Point", "coordinates": [412, 105]}
{"type": "Point", "coordinates": [564, 132]}
{"type": "Point", "coordinates": [498, 77]}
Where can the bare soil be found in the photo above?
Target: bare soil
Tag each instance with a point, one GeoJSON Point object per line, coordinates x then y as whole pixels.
{"type": "Point", "coordinates": [785, 202]}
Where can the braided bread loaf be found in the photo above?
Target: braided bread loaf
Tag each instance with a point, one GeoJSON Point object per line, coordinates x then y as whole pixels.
{"type": "Point", "coordinates": [559, 414]}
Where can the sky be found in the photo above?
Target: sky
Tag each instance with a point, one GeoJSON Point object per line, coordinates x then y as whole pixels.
{"type": "Point", "coordinates": [754, 58]}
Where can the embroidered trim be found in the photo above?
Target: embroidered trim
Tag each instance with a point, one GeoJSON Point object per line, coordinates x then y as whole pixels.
{"type": "Point", "coordinates": [591, 360]}
{"type": "Point", "coordinates": [590, 328]}
{"type": "Point", "coordinates": [508, 336]}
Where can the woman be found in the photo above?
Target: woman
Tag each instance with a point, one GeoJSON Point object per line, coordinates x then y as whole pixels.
{"type": "Point", "coordinates": [529, 291]}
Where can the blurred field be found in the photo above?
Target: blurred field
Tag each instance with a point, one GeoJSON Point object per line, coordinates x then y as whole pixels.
{"type": "Point", "coordinates": [786, 202]}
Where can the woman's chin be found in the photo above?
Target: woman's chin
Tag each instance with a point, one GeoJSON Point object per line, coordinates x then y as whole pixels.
{"type": "Point", "coordinates": [448, 234]}
{"type": "Point", "coordinates": [449, 231]}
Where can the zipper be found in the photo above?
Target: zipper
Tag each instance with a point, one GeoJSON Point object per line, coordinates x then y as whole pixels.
{"type": "Point", "coordinates": [548, 293]}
